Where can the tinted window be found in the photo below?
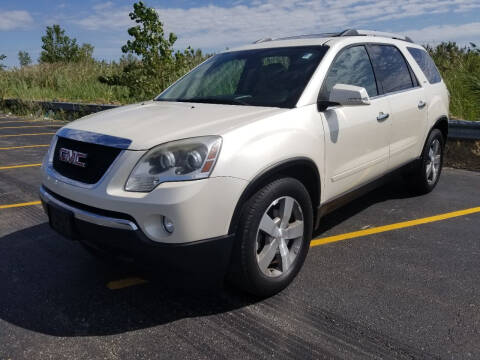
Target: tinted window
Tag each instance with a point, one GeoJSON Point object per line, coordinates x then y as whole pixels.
{"type": "Point", "coordinates": [426, 64]}
{"type": "Point", "coordinates": [262, 77]}
{"type": "Point", "coordinates": [390, 67]}
{"type": "Point", "coordinates": [351, 67]}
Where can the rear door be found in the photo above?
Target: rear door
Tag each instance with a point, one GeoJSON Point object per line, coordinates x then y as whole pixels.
{"type": "Point", "coordinates": [357, 146]}
{"type": "Point", "coordinates": [408, 117]}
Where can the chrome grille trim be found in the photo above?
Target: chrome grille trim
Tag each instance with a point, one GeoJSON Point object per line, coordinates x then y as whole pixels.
{"type": "Point", "coordinates": [94, 138]}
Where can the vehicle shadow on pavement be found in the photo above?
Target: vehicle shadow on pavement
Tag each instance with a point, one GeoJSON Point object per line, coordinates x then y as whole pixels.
{"type": "Point", "coordinates": [394, 189]}
{"type": "Point", "coordinates": [53, 286]}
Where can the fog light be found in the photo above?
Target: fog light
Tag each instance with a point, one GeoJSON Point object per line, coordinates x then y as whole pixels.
{"type": "Point", "coordinates": [168, 225]}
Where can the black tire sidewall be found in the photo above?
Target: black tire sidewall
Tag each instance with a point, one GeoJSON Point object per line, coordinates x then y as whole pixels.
{"type": "Point", "coordinates": [259, 283]}
{"type": "Point", "coordinates": [434, 134]}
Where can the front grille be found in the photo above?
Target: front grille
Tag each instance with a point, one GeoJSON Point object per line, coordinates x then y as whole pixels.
{"type": "Point", "coordinates": [87, 169]}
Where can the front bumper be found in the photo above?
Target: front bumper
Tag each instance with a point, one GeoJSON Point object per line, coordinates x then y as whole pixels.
{"type": "Point", "coordinates": [92, 217]}
{"type": "Point", "coordinates": [117, 235]}
{"type": "Point", "coordinates": [199, 209]}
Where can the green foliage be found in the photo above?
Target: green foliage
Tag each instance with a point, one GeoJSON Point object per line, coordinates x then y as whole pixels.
{"type": "Point", "coordinates": [58, 47]}
{"type": "Point", "coordinates": [77, 82]}
{"type": "Point", "coordinates": [158, 64]}
{"type": "Point", "coordinates": [24, 58]}
{"type": "Point", "coordinates": [460, 69]}
{"type": "Point", "coordinates": [2, 57]}
{"type": "Point", "coordinates": [85, 53]}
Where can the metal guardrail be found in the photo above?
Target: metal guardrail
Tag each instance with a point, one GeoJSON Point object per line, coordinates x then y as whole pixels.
{"type": "Point", "coordinates": [457, 129]}
{"type": "Point", "coordinates": [60, 106]}
{"type": "Point", "coordinates": [462, 129]}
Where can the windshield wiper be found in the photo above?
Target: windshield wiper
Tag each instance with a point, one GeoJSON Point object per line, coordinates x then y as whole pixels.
{"type": "Point", "coordinates": [207, 100]}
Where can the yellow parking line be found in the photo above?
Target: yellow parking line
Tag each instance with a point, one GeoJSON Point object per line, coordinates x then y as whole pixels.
{"type": "Point", "coordinates": [18, 166]}
{"type": "Point", "coordinates": [51, 133]}
{"type": "Point", "coordinates": [123, 283]}
{"type": "Point", "coordinates": [22, 147]}
{"type": "Point", "coordinates": [28, 126]}
{"type": "Point", "coordinates": [400, 225]}
{"type": "Point", "coordinates": [9, 206]}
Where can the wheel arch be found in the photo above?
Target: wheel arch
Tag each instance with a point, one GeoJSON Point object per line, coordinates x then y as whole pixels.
{"type": "Point", "coordinates": [301, 168]}
{"type": "Point", "coordinates": [442, 125]}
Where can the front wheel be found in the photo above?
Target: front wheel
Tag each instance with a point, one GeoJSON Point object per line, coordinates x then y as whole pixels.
{"type": "Point", "coordinates": [273, 238]}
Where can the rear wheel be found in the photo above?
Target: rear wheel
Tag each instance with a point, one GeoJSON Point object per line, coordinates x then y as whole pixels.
{"type": "Point", "coordinates": [273, 238]}
{"type": "Point", "coordinates": [426, 176]}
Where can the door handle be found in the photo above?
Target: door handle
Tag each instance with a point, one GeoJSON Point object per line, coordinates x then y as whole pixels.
{"type": "Point", "coordinates": [382, 116]}
{"type": "Point", "coordinates": [421, 104]}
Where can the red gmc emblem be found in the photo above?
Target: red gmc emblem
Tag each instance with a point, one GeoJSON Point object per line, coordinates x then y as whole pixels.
{"type": "Point", "coordinates": [72, 157]}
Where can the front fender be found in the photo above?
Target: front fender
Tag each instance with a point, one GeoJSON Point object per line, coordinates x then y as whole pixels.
{"type": "Point", "coordinates": [253, 148]}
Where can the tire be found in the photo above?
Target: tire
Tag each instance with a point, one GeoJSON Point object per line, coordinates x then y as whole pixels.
{"type": "Point", "coordinates": [425, 177]}
{"type": "Point", "coordinates": [264, 232]}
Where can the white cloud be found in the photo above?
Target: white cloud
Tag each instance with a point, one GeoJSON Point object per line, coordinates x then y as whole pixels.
{"type": "Point", "coordinates": [16, 19]}
{"type": "Point", "coordinates": [215, 27]}
{"type": "Point", "coordinates": [103, 6]}
{"type": "Point", "coordinates": [433, 34]}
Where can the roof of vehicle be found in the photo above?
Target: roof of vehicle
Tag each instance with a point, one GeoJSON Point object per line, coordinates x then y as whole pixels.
{"type": "Point", "coordinates": [323, 38]}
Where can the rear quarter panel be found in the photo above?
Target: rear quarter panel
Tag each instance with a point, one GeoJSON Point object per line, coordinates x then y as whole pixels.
{"type": "Point", "coordinates": [437, 97]}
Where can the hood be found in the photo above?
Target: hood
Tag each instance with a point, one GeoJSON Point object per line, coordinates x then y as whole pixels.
{"type": "Point", "coordinates": [156, 122]}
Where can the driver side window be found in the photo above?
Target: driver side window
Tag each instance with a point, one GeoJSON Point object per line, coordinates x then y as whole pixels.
{"type": "Point", "coordinates": [351, 67]}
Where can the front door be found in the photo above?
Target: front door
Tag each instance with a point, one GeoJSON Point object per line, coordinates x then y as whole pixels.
{"type": "Point", "coordinates": [357, 137]}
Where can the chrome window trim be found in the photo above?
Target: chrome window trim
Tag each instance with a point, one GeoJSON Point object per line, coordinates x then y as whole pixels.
{"type": "Point", "coordinates": [94, 138]}
{"type": "Point", "coordinates": [396, 92]}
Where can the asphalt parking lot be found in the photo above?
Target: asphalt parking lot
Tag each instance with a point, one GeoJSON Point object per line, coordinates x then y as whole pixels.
{"type": "Point", "coordinates": [378, 282]}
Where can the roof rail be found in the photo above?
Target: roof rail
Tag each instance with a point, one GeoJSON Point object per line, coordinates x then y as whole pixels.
{"type": "Point", "coordinates": [305, 36]}
{"type": "Point", "coordinates": [262, 40]}
{"type": "Point", "coordinates": [353, 32]}
{"type": "Point", "coordinates": [348, 32]}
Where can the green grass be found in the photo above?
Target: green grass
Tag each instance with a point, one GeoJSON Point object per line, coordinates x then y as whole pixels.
{"type": "Point", "coordinates": [460, 68]}
{"type": "Point", "coordinates": [63, 82]}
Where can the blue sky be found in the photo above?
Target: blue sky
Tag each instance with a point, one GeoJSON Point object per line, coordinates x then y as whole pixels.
{"type": "Point", "coordinates": [213, 25]}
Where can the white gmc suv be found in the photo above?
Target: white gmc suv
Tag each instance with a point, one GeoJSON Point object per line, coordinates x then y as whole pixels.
{"type": "Point", "coordinates": [228, 172]}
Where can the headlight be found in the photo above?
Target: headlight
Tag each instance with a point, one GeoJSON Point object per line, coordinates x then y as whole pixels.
{"type": "Point", "coordinates": [181, 160]}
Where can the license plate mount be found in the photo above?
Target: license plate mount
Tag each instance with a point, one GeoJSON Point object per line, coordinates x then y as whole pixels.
{"type": "Point", "coordinates": [62, 221]}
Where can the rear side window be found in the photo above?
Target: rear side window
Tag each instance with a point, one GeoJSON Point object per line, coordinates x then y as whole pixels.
{"type": "Point", "coordinates": [351, 67]}
{"type": "Point", "coordinates": [390, 67]}
{"type": "Point", "coordinates": [426, 64]}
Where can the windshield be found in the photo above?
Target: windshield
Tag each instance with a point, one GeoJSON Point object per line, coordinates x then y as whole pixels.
{"type": "Point", "coordinates": [272, 77]}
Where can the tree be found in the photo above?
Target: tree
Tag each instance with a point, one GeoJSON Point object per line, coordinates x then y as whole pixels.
{"type": "Point", "coordinates": [58, 47]}
{"type": "Point", "coordinates": [149, 41]}
{"type": "Point", "coordinates": [2, 57]}
{"type": "Point", "coordinates": [85, 53]}
{"type": "Point", "coordinates": [24, 58]}
{"type": "Point", "coordinates": [158, 65]}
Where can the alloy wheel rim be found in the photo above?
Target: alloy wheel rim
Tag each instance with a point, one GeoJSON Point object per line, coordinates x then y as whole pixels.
{"type": "Point", "coordinates": [433, 161]}
{"type": "Point", "coordinates": [279, 236]}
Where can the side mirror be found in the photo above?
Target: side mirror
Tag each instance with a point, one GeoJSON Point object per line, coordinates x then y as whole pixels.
{"type": "Point", "coordinates": [343, 94]}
